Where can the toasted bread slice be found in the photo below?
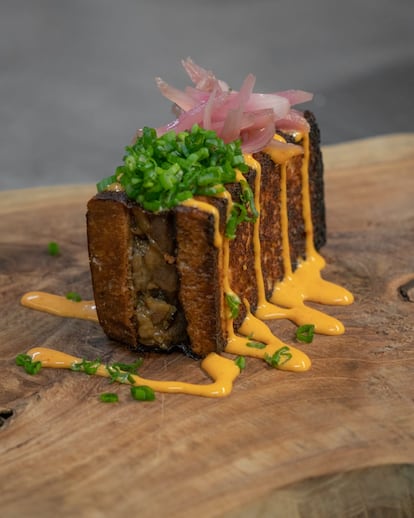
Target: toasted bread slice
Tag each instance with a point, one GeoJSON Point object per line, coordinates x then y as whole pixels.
{"type": "Point", "coordinates": [158, 277]}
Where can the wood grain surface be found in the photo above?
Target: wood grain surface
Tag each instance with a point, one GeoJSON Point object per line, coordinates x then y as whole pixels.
{"type": "Point", "coordinates": [337, 440]}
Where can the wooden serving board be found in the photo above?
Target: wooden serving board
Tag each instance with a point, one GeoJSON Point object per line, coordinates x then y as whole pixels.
{"type": "Point", "coordinates": [337, 440]}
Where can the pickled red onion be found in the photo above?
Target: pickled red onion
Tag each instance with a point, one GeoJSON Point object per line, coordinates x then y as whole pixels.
{"type": "Point", "coordinates": [293, 121]}
{"type": "Point", "coordinates": [202, 78]}
{"type": "Point", "coordinates": [178, 97]}
{"type": "Point", "coordinates": [245, 115]}
{"type": "Point", "coordinates": [295, 96]}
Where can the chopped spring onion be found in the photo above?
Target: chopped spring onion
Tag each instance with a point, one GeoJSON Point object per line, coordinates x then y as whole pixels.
{"type": "Point", "coordinates": [109, 397]}
{"type": "Point", "coordinates": [142, 393]}
{"type": "Point", "coordinates": [256, 345]}
{"type": "Point", "coordinates": [161, 172]}
{"type": "Point", "coordinates": [248, 199]}
{"type": "Point", "coordinates": [105, 182]}
{"type": "Point", "coordinates": [53, 248]}
{"type": "Point", "coordinates": [72, 295]}
{"type": "Point", "coordinates": [86, 366]}
{"type": "Point", "coordinates": [120, 372]}
{"type": "Point", "coordinates": [238, 214]}
{"type": "Point", "coordinates": [233, 302]}
{"type": "Point", "coordinates": [132, 368]}
{"type": "Point", "coordinates": [240, 361]}
{"type": "Point", "coordinates": [305, 333]}
{"type": "Point", "coordinates": [119, 375]}
{"type": "Point", "coordinates": [26, 361]}
{"type": "Point", "coordinates": [280, 357]}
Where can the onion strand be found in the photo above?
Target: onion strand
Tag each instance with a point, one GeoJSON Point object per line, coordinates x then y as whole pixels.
{"type": "Point", "coordinates": [250, 117]}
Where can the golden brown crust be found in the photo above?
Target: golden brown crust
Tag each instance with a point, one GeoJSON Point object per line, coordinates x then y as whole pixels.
{"type": "Point", "coordinates": [241, 268]}
{"type": "Point", "coordinates": [270, 232]}
{"type": "Point", "coordinates": [296, 223]}
{"type": "Point", "coordinates": [134, 275]}
{"type": "Point", "coordinates": [158, 277]}
{"type": "Point", "coordinates": [200, 267]}
{"type": "Point", "coordinates": [110, 263]}
{"type": "Point", "coordinates": [316, 182]}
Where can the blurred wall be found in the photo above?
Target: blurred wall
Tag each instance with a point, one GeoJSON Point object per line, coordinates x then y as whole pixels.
{"type": "Point", "coordinates": [77, 76]}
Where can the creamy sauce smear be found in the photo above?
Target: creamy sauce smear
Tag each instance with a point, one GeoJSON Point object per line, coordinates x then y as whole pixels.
{"type": "Point", "coordinates": [60, 306]}
{"type": "Point", "coordinates": [287, 300]}
{"type": "Point", "coordinates": [222, 371]}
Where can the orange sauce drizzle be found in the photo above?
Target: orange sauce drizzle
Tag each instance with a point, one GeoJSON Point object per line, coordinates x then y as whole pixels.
{"type": "Point", "coordinates": [207, 207]}
{"type": "Point", "coordinates": [222, 370]}
{"type": "Point", "coordinates": [306, 282]}
{"type": "Point", "coordinates": [287, 300]}
{"type": "Point", "coordinates": [260, 332]}
{"type": "Point", "coordinates": [252, 326]}
{"type": "Point", "coordinates": [226, 247]}
{"type": "Point", "coordinates": [60, 306]}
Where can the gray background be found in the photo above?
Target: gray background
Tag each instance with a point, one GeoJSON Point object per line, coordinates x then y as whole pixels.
{"type": "Point", "coordinates": [77, 76]}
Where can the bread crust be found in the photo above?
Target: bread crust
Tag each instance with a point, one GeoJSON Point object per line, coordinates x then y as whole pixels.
{"type": "Point", "coordinates": [158, 277]}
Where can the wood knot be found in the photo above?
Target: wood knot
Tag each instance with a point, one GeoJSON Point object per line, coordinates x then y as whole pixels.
{"type": "Point", "coordinates": [406, 291]}
{"type": "Point", "coordinates": [5, 413]}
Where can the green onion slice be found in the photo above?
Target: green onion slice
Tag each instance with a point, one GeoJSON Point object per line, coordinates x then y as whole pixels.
{"type": "Point", "coordinates": [255, 345]}
{"type": "Point", "coordinates": [109, 397]}
{"type": "Point", "coordinates": [240, 361]}
{"type": "Point", "coordinates": [30, 366]}
{"type": "Point", "coordinates": [305, 333]}
{"type": "Point", "coordinates": [129, 367]}
{"type": "Point", "coordinates": [233, 302]}
{"type": "Point", "coordinates": [105, 182]}
{"type": "Point", "coordinates": [161, 172]}
{"type": "Point", "coordinates": [73, 295]}
{"type": "Point", "coordinates": [142, 393]}
{"type": "Point", "coordinates": [86, 366]}
{"type": "Point", "coordinates": [53, 248]}
{"type": "Point", "coordinates": [280, 357]}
